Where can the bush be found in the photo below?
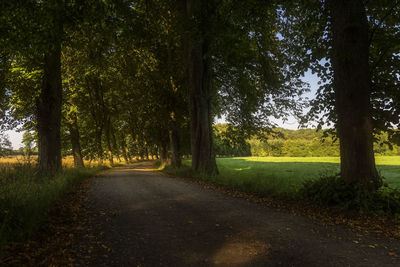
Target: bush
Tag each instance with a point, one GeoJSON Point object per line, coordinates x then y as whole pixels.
{"type": "Point", "coordinates": [334, 191]}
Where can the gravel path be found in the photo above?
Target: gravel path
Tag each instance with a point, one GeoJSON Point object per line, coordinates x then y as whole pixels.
{"type": "Point", "coordinates": [139, 217]}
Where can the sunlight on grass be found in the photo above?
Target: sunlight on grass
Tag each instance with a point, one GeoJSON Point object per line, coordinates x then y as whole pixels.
{"type": "Point", "coordinates": [291, 159]}
{"type": "Point", "coordinates": [284, 176]}
{"type": "Point", "coordinates": [241, 169]}
{"type": "Point", "coordinates": [387, 160]}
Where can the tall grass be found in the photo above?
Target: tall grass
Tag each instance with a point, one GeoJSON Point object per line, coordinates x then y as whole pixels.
{"type": "Point", "coordinates": [26, 196]}
{"type": "Point", "coordinates": [67, 162]}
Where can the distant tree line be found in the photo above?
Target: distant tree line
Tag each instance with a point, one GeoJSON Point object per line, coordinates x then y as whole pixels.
{"type": "Point", "coordinates": [292, 143]}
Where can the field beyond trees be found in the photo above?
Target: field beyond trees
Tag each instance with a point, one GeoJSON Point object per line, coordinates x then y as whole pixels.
{"type": "Point", "coordinates": [284, 176]}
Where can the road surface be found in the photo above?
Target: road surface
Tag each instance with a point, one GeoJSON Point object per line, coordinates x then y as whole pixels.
{"type": "Point", "coordinates": [140, 217]}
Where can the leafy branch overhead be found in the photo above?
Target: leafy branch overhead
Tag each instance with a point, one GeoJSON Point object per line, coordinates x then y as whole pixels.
{"type": "Point", "coordinates": [123, 79]}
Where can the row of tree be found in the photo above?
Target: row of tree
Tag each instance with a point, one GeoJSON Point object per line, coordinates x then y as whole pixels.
{"type": "Point", "coordinates": [291, 143]}
{"type": "Point", "coordinates": [117, 78]}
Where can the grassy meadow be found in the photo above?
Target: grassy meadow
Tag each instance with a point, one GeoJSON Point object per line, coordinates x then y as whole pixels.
{"type": "Point", "coordinates": [284, 176]}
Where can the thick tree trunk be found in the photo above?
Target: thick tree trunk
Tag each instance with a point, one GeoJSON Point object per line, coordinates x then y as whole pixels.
{"type": "Point", "coordinates": [75, 143]}
{"type": "Point", "coordinates": [99, 146]}
{"type": "Point", "coordinates": [108, 140]}
{"type": "Point", "coordinates": [199, 81]}
{"type": "Point", "coordinates": [163, 153]}
{"type": "Point", "coordinates": [141, 148]}
{"type": "Point", "coordinates": [146, 152]}
{"type": "Point", "coordinates": [124, 150]}
{"type": "Point", "coordinates": [114, 145]}
{"type": "Point", "coordinates": [174, 145]}
{"type": "Point", "coordinates": [49, 112]}
{"type": "Point", "coordinates": [352, 83]}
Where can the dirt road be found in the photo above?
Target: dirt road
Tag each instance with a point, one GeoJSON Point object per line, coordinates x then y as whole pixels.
{"type": "Point", "coordinates": [140, 217]}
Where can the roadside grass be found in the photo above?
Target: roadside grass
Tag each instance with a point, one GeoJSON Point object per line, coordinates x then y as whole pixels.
{"type": "Point", "coordinates": [305, 178]}
{"type": "Point", "coordinates": [26, 197]}
{"type": "Point", "coordinates": [283, 176]}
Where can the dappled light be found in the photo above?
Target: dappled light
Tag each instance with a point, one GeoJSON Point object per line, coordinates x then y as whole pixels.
{"type": "Point", "coordinates": [239, 250]}
{"type": "Point", "coordinates": [200, 133]}
{"type": "Point", "coordinates": [128, 169]}
{"type": "Point", "coordinates": [241, 169]}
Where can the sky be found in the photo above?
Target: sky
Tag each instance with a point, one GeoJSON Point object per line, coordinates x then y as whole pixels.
{"type": "Point", "coordinates": [291, 123]}
{"type": "Point", "coordinates": [15, 138]}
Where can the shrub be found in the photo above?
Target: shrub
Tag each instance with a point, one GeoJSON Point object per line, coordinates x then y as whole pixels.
{"type": "Point", "coordinates": [334, 191]}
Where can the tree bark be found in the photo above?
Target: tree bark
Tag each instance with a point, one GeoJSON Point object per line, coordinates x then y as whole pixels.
{"type": "Point", "coordinates": [163, 153]}
{"type": "Point", "coordinates": [352, 84]}
{"type": "Point", "coordinates": [114, 145]}
{"type": "Point", "coordinates": [98, 112]}
{"type": "Point", "coordinates": [49, 112]}
{"type": "Point", "coordinates": [124, 149]}
{"type": "Point", "coordinates": [108, 140]}
{"type": "Point", "coordinates": [199, 72]}
{"type": "Point", "coordinates": [146, 152]}
{"type": "Point", "coordinates": [174, 145]}
{"type": "Point", "coordinates": [75, 142]}
{"type": "Point", "coordinates": [99, 146]}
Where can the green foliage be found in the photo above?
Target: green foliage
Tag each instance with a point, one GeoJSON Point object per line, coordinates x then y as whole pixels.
{"type": "Point", "coordinates": [307, 33]}
{"type": "Point", "coordinates": [5, 145]}
{"type": "Point", "coordinates": [254, 77]}
{"type": "Point", "coordinates": [28, 141]}
{"type": "Point", "coordinates": [227, 143]}
{"type": "Point", "coordinates": [26, 197]}
{"type": "Point", "coordinates": [334, 191]}
{"type": "Point", "coordinates": [311, 143]}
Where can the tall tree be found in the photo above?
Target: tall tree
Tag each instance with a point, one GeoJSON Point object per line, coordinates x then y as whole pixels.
{"type": "Point", "coordinates": [352, 85]}
{"type": "Point", "coordinates": [353, 47]}
{"type": "Point", "coordinates": [199, 72]}
{"type": "Point", "coordinates": [50, 99]}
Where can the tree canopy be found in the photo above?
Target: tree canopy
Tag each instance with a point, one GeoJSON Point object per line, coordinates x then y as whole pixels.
{"type": "Point", "coordinates": [122, 79]}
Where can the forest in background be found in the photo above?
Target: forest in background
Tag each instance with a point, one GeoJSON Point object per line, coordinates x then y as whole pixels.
{"type": "Point", "coordinates": [291, 143]}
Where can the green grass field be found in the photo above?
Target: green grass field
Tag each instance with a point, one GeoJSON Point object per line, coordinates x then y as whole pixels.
{"type": "Point", "coordinates": [283, 176]}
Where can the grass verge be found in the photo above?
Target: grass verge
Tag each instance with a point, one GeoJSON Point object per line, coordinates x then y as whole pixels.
{"type": "Point", "coordinates": [26, 197]}
{"type": "Point", "coordinates": [304, 178]}
{"type": "Point", "coordinates": [260, 184]}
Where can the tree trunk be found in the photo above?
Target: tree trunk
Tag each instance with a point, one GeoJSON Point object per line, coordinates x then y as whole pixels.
{"type": "Point", "coordinates": [163, 153]}
{"type": "Point", "coordinates": [75, 143]}
{"type": "Point", "coordinates": [146, 152]}
{"type": "Point", "coordinates": [49, 112]}
{"type": "Point", "coordinates": [99, 146]}
{"type": "Point", "coordinates": [199, 81]}
{"type": "Point", "coordinates": [114, 144]}
{"type": "Point", "coordinates": [352, 83]}
{"type": "Point", "coordinates": [108, 140]}
{"type": "Point", "coordinates": [124, 150]}
{"type": "Point", "coordinates": [174, 145]}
